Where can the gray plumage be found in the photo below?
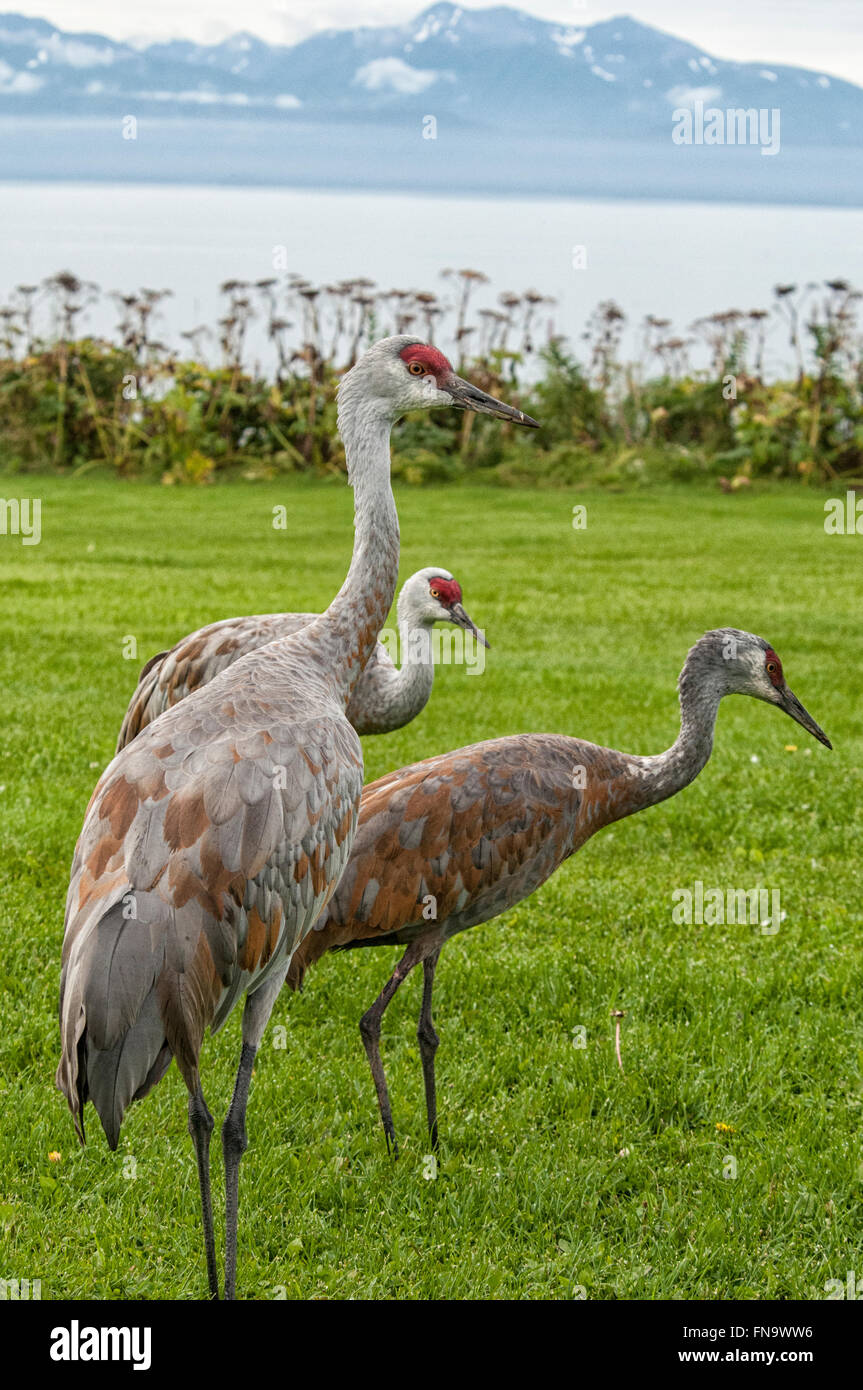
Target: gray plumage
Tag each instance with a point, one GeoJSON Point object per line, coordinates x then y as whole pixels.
{"type": "Point", "coordinates": [385, 697]}
{"type": "Point", "coordinates": [215, 838]}
{"type": "Point", "coordinates": [448, 843]}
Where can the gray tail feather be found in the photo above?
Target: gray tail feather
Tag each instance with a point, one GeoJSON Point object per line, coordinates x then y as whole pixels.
{"type": "Point", "coordinates": [112, 1079]}
{"type": "Point", "coordinates": [114, 1043]}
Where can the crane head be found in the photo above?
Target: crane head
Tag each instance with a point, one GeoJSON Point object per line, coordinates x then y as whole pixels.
{"type": "Point", "coordinates": [433, 595]}
{"type": "Point", "coordinates": [752, 667]}
{"type": "Point", "coordinates": [404, 373]}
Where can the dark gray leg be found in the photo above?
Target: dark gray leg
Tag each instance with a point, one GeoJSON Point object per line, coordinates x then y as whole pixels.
{"type": "Point", "coordinates": [428, 1041]}
{"type": "Point", "coordinates": [200, 1128]}
{"type": "Point", "coordinates": [234, 1145]}
{"type": "Point", "coordinates": [370, 1028]}
{"type": "Point", "coordinates": [256, 1016]}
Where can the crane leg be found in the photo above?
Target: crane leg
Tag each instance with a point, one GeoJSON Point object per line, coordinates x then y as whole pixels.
{"type": "Point", "coordinates": [428, 1041]}
{"type": "Point", "coordinates": [370, 1031]}
{"type": "Point", "coordinates": [200, 1128]}
{"type": "Point", "coordinates": [256, 1016]}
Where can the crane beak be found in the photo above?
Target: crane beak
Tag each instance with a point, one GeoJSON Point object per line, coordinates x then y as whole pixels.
{"type": "Point", "coordinates": [792, 706]}
{"type": "Point", "coordinates": [467, 397]}
{"type": "Point", "coordinates": [458, 616]}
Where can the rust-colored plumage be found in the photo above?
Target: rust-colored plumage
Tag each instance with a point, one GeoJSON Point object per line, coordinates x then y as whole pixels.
{"type": "Point", "coordinates": [385, 698]}
{"type": "Point", "coordinates": [215, 838]}
{"type": "Point", "coordinates": [209, 847]}
{"type": "Point", "coordinates": [451, 842]}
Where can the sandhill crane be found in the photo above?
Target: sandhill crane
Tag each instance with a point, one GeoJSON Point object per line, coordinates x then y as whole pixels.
{"type": "Point", "coordinates": [385, 697]}
{"type": "Point", "coordinates": [213, 841]}
{"type": "Point", "coordinates": [453, 841]}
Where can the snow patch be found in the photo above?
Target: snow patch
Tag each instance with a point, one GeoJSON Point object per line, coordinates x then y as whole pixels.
{"type": "Point", "coordinates": [565, 40]}
{"type": "Point", "coordinates": [72, 53]}
{"type": "Point", "coordinates": [19, 84]}
{"type": "Point", "coordinates": [432, 26]}
{"type": "Point", "coordinates": [392, 75]}
{"type": "Point", "coordinates": [206, 96]}
{"type": "Point", "coordinates": [200, 96]}
{"type": "Point", "coordinates": [688, 96]}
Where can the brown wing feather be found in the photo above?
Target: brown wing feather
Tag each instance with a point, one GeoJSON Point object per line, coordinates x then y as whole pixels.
{"type": "Point", "coordinates": [209, 847]}
{"type": "Point", "coordinates": [459, 838]}
{"type": "Point", "coordinates": [193, 662]}
{"type": "Point", "coordinates": [377, 705]}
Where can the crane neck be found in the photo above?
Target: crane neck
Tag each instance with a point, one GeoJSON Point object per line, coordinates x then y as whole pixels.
{"type": "Point", "coordinates": [350, 626]}
{"type": "Point", "coordinates": [701, 688]}
{"type": "Point", "coordinates": [416, 673]}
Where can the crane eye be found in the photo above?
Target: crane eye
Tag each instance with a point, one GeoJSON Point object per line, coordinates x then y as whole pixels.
{"type": "Point", "coordinates": [771, 667]}
{"type": "Point", "coordinates": [435, 593]}
{"type": "Point", "coordinates": [416, 368]}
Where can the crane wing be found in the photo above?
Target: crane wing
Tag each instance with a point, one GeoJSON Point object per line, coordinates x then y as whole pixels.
{"type": "Point", "coordinates": [209, 847]}
{"type": "Point", "coordinates": [194, 661]}
{"type": "Point", "coordinates": [455, 840]}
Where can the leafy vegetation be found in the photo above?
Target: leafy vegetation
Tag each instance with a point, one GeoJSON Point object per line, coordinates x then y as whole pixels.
{"type": "Point", "coordinates": [72, 403]}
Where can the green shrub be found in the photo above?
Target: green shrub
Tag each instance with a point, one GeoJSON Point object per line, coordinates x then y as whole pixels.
{"type": "Point", "coordinates": [87, 404]}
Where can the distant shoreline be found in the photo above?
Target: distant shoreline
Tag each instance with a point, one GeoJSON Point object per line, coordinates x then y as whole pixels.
{"type": "Point", "coordinates": [375, 159]}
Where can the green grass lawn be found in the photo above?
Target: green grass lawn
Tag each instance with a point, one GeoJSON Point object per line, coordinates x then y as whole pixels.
{"type": "Point", "coordinates": [559, 1173]}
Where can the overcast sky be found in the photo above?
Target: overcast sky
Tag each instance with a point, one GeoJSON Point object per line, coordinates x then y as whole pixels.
{"type": "Point", "coordinates": [821, 34]}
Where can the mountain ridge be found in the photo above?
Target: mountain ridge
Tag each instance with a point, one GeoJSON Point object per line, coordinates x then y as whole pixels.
{"type": "Point", "coordinates": [497, 69]}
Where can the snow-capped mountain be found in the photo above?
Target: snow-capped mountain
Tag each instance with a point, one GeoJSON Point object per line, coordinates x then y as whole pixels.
{"type": "Point", "coordinates": [494, 70]}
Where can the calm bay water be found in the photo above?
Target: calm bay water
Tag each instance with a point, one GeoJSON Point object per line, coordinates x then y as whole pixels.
{"type": "Point", "coordinates": [676, 260]}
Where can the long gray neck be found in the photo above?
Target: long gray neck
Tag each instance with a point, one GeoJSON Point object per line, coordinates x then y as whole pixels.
{"type": "Point", "coordinates": [416, 674]}
{"type": "Point", "coordinates": [701, 688]}
{"type": "Point", "coordinates": [349, 628]}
